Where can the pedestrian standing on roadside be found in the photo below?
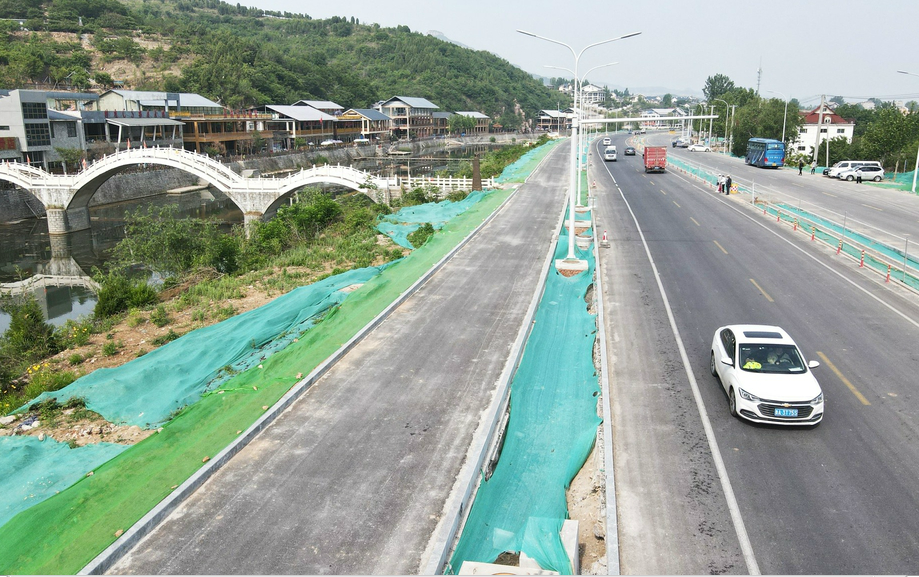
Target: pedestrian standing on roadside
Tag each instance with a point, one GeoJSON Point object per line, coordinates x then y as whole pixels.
{"type": "Point", "coordinates": [858, 176]}
{"type": "Point", "coordinates": [800, 167]}
{"type": "Point", "coordinates": [814, 166]}
{"type": "Point", "coordinates": [720, 183]}
{"type": "Point", "coordinates": [727, 184]}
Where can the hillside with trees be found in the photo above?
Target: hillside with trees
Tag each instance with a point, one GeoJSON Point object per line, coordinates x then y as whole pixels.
{"type": "Point", "coordinates": [244, 57]}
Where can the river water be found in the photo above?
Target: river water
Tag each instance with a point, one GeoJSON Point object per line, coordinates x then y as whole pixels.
{"type": "Point", "coordinates": [26, 250]}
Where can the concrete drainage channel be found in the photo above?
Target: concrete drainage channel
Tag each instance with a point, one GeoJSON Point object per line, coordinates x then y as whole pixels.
{"type": "Point", "coordinates": [486, 450]}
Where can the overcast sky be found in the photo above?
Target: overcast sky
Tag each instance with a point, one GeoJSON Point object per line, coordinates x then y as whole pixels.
{"type": "Point", "coordinates": [850, 48]}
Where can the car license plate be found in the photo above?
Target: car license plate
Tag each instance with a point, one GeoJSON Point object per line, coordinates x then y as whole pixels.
{"type": "Point", "coordinates": [786, 412]}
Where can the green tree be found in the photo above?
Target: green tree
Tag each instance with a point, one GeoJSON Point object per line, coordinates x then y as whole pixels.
{"type": "Point", "coordinates": [458, 123]}
{"type": "Point", "coordinates": [667, 100]}
{"type": "Point", "coordinates": [69, 156]}
{"type": "Point", "coordinates": [716, 86]}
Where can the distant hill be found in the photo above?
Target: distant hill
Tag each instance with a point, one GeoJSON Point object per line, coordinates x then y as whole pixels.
{"type": "Point", "coordinates": [244, 56]}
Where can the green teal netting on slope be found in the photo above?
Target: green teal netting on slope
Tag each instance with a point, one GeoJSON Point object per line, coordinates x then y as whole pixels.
{"type": "Point", "coordinates": [550, 433]}
{"type": "Point", "coordinates": [519, 170]}
{"type": "Point", "coordinates": [33, 470]}
{"type": "Point", "coordinates": [147, 390]}
{"type": "Point", "coordinates": [399, 225]}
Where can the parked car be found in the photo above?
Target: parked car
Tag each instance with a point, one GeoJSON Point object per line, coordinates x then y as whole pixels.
{"type": "Point", "coordinates": [765, 376]}
{"type": "Point", "coordinates": [875, 173]}
{"type": "Point", "coordinates": [699, 148]}
{"type": "Point", "coordinates": [844, 165]}
{"type": "Point", "coordinates": [629, 151]}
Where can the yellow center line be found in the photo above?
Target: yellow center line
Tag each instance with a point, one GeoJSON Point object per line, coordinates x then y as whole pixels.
{"type": "Point", "coordinates": [833, 195]}
{"type": "Point", "coordinates": [694, 220]}
{"type": "Point", "coordinates": [765, 294]}
{"type": "Point", "coordinates": [874, 207]}
{"type": "Point", "coordinates": [842, 378]}
{"type": "Point", "coordinates": [677, 204]}
{"type": "Point", "coordinates": [719, 246]}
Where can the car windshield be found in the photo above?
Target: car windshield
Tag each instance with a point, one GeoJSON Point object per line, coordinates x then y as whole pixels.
{"type": "Point", "coordinates": [764, 358]}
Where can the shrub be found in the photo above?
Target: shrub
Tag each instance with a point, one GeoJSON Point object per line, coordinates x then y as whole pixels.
{"type": "Point", "coordinates": [118, 293]}
{"type": "Point", "coordinates": [160, 317]}
{"type": "Point", "coordinates": [75, 359]}
{"type": "Point", "coordinates": [163, 339]}
{"type": "Point", "coordinates": [421, 235]}
{"type": "Point", "coordinates": [74, 334]}
{"type": "Point", "coordinates": [28, 337]}
{"type": "Point", "coordinates": [111, 348]}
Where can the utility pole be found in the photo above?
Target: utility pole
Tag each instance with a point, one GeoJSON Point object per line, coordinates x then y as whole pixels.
{"type": "Point", "coordinates": [819, 128]}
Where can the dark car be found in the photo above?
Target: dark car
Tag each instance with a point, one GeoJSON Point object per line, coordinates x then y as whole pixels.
{"type": "Point", "coordinates": [629, 151]}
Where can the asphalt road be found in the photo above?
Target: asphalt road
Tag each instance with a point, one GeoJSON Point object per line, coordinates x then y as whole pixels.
{"type": "Point", "coordinates": [838, 498]}
{"type": "Point", "coordinates": [888, 215]}
{"type": "Point", "coordinates": [354, 477]}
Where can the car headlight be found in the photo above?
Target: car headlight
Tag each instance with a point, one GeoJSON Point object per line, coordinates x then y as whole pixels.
{"type": "Point", "coordinates": [817, 400]}
{"type": "Point", "coordinates": [752, 398]}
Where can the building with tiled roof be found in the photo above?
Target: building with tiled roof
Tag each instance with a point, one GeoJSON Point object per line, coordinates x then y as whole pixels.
{"type": "Point", "coordinates": [817, 130]}
{"type": "Point", "coordinates": [411, 116]}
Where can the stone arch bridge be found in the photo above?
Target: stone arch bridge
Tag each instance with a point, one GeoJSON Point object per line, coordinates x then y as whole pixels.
{"type": "Point", "coordinates": [66, 197]}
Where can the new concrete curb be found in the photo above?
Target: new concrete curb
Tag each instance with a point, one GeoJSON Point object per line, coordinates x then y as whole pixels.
{"type": "Point", "coordinates": [105, 560]}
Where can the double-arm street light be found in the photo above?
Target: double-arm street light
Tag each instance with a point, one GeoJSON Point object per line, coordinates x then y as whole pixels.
{"type": "Point", "coordinates": [578, 84]}
{"type": "Point", "coordinates": [915, 168]}
{"type": "Point", "coordinates": [572, 186]}
{"type": "Point", "coordinates": [785, 115]}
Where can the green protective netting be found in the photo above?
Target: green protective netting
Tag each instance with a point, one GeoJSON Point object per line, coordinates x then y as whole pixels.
{"type": "Point", "coordinates": [147, 390]}
{"type": "Point", "coordinates": [519, 170]}
{"type": "Point", "coordinates": [33, 470]}
{"type": "Point", "coordinates": [399, 225]}
{"type": "Point", "coordinates": [550, 433]}
{"type": "Point", "coordinates": [65, 532]}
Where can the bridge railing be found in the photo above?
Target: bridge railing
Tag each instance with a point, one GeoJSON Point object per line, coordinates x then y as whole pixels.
{"type": "Point", "coordinates": [176, 154]}
{"type": "Point", "coordinates": [445, 183]}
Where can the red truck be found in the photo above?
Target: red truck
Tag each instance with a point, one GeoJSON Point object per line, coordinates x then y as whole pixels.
{"type": "Point", "coordinates": [655, 158]}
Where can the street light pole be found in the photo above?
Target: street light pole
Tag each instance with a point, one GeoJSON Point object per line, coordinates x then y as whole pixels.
{"type": "Point", "coordinates": [578, 85]}
{"type": "Point", "coordinates": [915, 168]}
{"type": "Point", "coordinates": [572, 185]}
{"type": "Point", "coordinates": [785, 115]}
{"type": "Point", "coordinates": [727, 111]}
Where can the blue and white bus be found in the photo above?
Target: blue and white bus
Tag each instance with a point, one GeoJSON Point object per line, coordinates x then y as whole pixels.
{"type": "Point", "coordinates": [765, 152]}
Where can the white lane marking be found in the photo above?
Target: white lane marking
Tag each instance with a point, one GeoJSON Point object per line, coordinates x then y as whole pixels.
{"type": "Point", "coordinates": [791, 243]}
{"type": "Point", "coordinates": [741, 530]}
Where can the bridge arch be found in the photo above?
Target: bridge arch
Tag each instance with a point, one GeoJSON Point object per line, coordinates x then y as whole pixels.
{"type": "Point", "coordinates": [87, 182]}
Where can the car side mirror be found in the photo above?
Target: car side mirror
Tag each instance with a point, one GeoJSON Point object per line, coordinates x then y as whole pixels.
{"type": "Point", "coordinates": [813, 364]}
{"type": "Point", "coordinates": [727, 361]}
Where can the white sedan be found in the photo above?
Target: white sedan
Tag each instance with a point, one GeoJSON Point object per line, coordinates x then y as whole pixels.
{"type": "Point", "coordinates": [765, 376]}
{"type": "Point", "coordinates": [698, 148]}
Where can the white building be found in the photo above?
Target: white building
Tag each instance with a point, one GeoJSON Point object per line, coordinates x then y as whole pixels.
{"type": "Point", "coordinates": [814, 131]}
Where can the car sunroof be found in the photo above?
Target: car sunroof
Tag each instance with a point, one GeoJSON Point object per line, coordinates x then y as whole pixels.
{"type": "Point", "coordinates": [761, 335]}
